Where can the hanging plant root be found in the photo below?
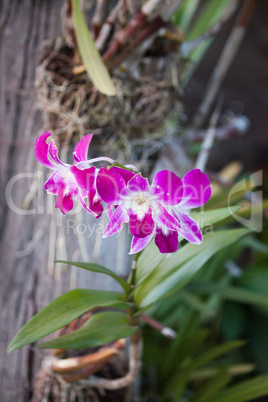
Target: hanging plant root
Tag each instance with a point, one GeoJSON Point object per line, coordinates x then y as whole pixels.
{"type": "Point", "coordinates": [73, 107]}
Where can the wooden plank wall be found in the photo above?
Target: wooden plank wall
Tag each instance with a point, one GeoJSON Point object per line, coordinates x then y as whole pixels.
{"type": "Point", "coordinates": [30, 240]}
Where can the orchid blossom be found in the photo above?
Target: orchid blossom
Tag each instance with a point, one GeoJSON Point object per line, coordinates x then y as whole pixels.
{"type": "Point", "coordinates": [156, 211]}
{"type": "Point", "coordinates": [70, 181]}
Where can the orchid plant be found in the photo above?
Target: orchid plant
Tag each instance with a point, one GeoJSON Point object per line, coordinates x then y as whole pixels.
{"type": "Point", "coordinates": [161, 211]}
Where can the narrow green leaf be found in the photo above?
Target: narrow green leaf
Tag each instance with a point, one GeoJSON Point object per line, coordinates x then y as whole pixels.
{"type": "Point", "coordinates": [195, 302]}
{"type": "Point", "coordinates": [255, 244]}
{"type": "Point", "coordinates": [177, 269]}
{"type": "Point", "coordinates": [102, 270]}
{"type": "Point", "coordinates": [234, 293]}
{"type": "Point", "coordinates": [151, 257]}
{"type": "Point", "coordinates": [199, 361]}
{"type": "Point", "coordinates": [229, 195]}
{"type": "Point", "coordinates": [89, 53]}
{"type": "Point", "coordinates": [63, 310]}
{"type": "Point", "coordinates": [245, 391]}
{"type": "Point", "coordinates": [212, 11]}
{"type": "Point", "coordinates": [98, 330]}
{"type": "Point", "coordinates": [183, 16]}
{"type": "Point", "coordinates": [208, 372]}
{"type": "Point", "coordinates": [213, 386]}
{"type": "Point", "coordinates": [213, 216]}
{"type": "Point", "coordinates": [147, 261]}
{"type": "Point", "coordinates": [213, 353]}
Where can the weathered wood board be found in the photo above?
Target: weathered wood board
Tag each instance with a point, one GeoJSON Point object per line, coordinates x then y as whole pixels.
{"type": "Point", "coordinates": [31, 239]}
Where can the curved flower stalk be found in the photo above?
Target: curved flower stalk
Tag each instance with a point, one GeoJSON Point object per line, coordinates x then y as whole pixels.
{"type": "Point", "coordinates": [159, 210]}
{"type": "Point", "coordinates": [76, 181]}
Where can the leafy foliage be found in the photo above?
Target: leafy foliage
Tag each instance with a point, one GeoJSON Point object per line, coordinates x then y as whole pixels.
{"type": "Point", "coordinates": [179, 268]}
{"type": "Point", "coordinates": [90, 55]}
{"type": "Point", "coordinates": [62, 311]}
{"type": "Point", "coordinates": [102, 270]}
{"type": "Point", "coordinates": [98, 330]}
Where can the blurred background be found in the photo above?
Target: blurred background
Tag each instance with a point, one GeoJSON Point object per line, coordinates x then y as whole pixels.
{"type": "Point", "coordinates": [155, 123]}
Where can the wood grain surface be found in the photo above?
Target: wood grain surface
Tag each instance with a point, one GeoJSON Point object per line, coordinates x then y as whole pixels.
{"type": "Point", "coordinates": [31, 239]}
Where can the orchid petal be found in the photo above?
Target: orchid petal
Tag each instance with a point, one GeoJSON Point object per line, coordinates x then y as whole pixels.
{"type": "Point", "coordinates": [94, 206]}
{"type": "Point", "coordinates": [167, 187]}
{"type": "Point", "coordinates": [139, 243]}
{"type": "Point", "coordinates": [53, 153]}
{"type": "Point", "coordinates": [60, 179]}
{"type": "Point", "coordinates": [84, 177]}
{"type": "Point", "coordinates": [115, 224]}
{"type": "Point", "coordinates": [109, 211]}
{"type": "Point", "coordinates": [126, 174]}
{"type": "Point", "coordinates": [64, 202]}
{"type": "Point", "coordinates": [166, 243]}
{"type": "Point", "coordinates": [141, 227]}
{"type": "Point", "coordinates": [41, 151]}
{"type": "Point", "coordinates": [165, 220]}
{"type": "Point", "coordinates": [81, 148]}
{"type": "Point", "coordinates": [189, 228]}
{"type": "Point", "coordinates": [50, 186]}
{"type": "Point", "coordinates": [138, 183]}
{"type": "Point", "coordinates": [110, 186]}
{"type": "Point", "coordinates": [196, 189]}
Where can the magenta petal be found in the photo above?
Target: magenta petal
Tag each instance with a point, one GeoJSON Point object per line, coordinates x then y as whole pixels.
{"type": "Point", "coordinates": [138, 183]}
{"type": "Point", "coordinates": [84, 177]}
{"type": "Point", "coordinates": [64, 202]}
{"type": "Point", "coordinates": [110, 186]}
{"type": "Point", "coordinates": [143, 227]}
{"type": "Point", "coordinates": [109, 211]}
{"type": "Point", "coordinates": [114, 225]}
{"type": "Point", "coordinates": [81, 148]}
{"type": "Point", "coordinates": [95, 202]}
{"type": "Point", "coordinates": [126, 174]}
{"type": "Point", "coordinates": [50, 186]}
{"type": "Point", "coordinates": [53, 152]}
{"type": "Point", "coordinates": [167, 243]}
{"type": "Point", "coordinates": [94, 206]}
{"type": "Point", "coordinates": [196, 189]}
{"type": "Point", "coordinates": [189, 228]}
{"type": "Point", "coordinates": [60, 179]}
{"type": "Point", "coordinates": [167, 187]}
{"type": "Point", "coordinates": [139, 243]}
{"type": "Point", "coordinates": [41, 150]}
{"type": "Point", "coordinates": [164, 219]}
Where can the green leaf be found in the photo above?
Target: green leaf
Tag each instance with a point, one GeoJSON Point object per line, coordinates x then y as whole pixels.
{"type": "Point", "coordinates": [89, 53]}
{"type": "Point", "coordinates": [213, 216]}
{"type": "Point", "coordinates": [213, 10]}
{"type": "Point", "coordinates": [147, 261]}
{"type": "Point", "coordinates": [151, 257]}
{"type": "Point", "coordinates": [102, 270]}
{"type": "Point", "coordinates": [233, 370]}
{"type": "Point", "coordinates": [213, 353]}
{"type": "Point", "coordinates": [199, 361]}
{"type": "Point", "coordinates": [234, 293]}
{"type": "Point", "coordinates": [98, 330]}
{"type": "Point", "coordinates": [213, 386]}
{"type": "Point", "coordinates": [183, 16]}
{"type": "Point", "coordinates": [177, 269]}
{"type": "Point", "coordinates": [245, 391]}
{"type": "Point", "coordinates": [255, 244]}
{"type": "Point", "coordinates": [63, 310]}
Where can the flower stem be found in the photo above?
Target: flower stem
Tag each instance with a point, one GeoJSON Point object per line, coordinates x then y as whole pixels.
{"type": "Point", "coordinates": [121, 166]}
{"type": "Point", "coordinates": [101, 158]}
{"type": "Point", "coordinates": [133, 271]}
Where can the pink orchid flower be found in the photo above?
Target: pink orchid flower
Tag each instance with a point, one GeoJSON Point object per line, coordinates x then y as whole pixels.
{"type": "Point", "coordinates": [68, 181]}
{"type": "Point", "coordinates": [156, 211]}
